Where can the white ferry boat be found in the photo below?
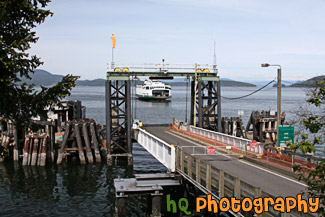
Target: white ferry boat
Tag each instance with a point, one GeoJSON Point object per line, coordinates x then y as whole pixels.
{"type": "Point", "coordinates": [153, 90]}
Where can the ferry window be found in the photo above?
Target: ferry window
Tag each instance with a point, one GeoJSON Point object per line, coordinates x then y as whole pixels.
{"type": "Point", "coordinates": [147, 88]}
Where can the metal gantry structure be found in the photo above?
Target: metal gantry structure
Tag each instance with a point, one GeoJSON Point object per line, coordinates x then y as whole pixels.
{"type": "Point", "coordinates": [205, 100]}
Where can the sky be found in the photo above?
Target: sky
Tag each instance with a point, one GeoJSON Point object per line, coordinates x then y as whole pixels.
{"type": "Point", "coordinates": [76, 39]}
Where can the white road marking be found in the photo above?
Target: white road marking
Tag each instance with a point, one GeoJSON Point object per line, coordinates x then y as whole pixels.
{"type": "Point", "coordinates": [284, 177]}
{"type": "Point", "coordinates": [194, 143]}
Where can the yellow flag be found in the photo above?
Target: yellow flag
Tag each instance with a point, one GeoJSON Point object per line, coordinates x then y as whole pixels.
{"type": "Point", "coordinates": [113, 40]}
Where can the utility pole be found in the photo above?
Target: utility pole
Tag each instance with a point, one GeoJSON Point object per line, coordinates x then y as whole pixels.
{"type": "Point", "coordinates": [195, 90]}
{"type": "Point", "coordinates": [278, 97]}
{"type": "Point", "coordinates": [279, 103]}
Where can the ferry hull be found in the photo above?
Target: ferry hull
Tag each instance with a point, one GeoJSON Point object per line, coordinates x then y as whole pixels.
{"type": "Point", "coordinates": [152, 98]}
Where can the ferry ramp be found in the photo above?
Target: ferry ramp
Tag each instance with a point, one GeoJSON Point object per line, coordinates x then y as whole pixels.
{"type": "Point", "coordinates": [221, 174]}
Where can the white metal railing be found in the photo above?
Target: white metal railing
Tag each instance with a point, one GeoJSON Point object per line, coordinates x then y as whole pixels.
{"type": "Point", "coordinates": [161, 150]}
{"type": "Point", "coordinates": [162, 66]}
{"type": "Point", "coordinates": [241, 143]}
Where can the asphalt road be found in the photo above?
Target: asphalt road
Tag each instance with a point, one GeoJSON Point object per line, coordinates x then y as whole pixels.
{"type": "Point", "coordinates": [271, 182]}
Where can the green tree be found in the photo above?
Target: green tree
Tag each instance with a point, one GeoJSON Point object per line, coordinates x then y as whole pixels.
{"type": "Point", "coordinates": [20, 102]}
{"type": "Point", "coordinates": [314, 125]}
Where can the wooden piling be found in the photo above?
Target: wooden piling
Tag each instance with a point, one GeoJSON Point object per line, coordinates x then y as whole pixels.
{"type": "Point", "coordinates": [95, 142]}
{"type": "Point", "coordinates": [16, 153]}
{"type": "Point", "coordinates": [1, 138]}
{"type": "Point", "coordinates": [34, 154]}
{"type": "Point", "coordinates": [39, 151]}
{"type": "Point", "coordinates": [43, 152]}
{"type": "Point", "coordinates": [120, 205]}
{"type": "Point", "coordinates": [30, 150]}
{"type": "Point", "coordinates": [79, 143]}
{"type": "Point", "coordinates": [64, 143]}
{"type": "Point", "coordinates": [48, 137]}
{"type": "Point", "coordinates": [26, 151]}
{"type": "Point", "coordinates": [6, 141]}
{"type": "Point", "coordinates": [52, 140]}
{"type": "Point", "coordinates": [87, 142]}
{"type": "Point", "coordinates": [156, 204]}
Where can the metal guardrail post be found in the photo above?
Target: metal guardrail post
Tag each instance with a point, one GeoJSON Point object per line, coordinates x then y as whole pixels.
{"type": "Point", "coordinates": [237, 188]}
{"type": "Point", "coordinates": [257, 192]}
{"type": "Point", "coordinates": [198, 170]}
{"type": "Point", "coordinates": [208, 177]}
{"type": "Point", "coordinates": [189, 166]}
{"type": "Point", "coordinates": [221, 183]}
{"type": "Point", "coordinates": [182, 160]}
{"type": "Point", "coordinates": [177, 157]}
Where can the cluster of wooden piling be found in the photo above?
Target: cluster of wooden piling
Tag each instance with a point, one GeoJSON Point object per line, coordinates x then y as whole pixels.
{"type": "Point", "coordinates": [35, 150]}
{"type": "Point", "coordinates": [9, 137]}
{"type": "Point", "coordinates": [261, 126]}
{"type": "Point", "coordinates": [5, 140]}
{"type": "Point", "coordinates": [82, 137]}
{"type": "Point", "coordinates": [233, 126]}
{"type": "Point", "coordinates": [264, 125]}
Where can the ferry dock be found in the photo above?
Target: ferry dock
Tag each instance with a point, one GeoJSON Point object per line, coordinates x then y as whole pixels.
{"type": "Point", "coordinates": [211, 152]}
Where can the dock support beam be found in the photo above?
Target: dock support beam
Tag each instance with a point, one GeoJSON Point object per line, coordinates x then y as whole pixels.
{"type": "Point", "coordinates": [156, 204]}
{"type": "Point", "coordinates": [208, 105]}
{"type": "Point", "coordinates": [118, 119]}
{"type": "Point", "coordinates": [192, 102]}
{"type": "Point", "coordinates": [219, 105]}
{"type": "Point", "coordinates": [200, 104]}
{"type": "Point", "coordinates": [120, 205]}
{"type": "Point", "coordinates": [108, 121]}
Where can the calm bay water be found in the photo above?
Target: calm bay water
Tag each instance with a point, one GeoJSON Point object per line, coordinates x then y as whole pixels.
{"type": "Point", "coordinates": [75, 190]}
{"type": "Point", "coordinates": [161, 112]}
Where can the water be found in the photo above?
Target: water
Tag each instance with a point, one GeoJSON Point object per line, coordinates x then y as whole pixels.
{"type": "Point", "coordinates": [88, 190]}
{"type": "Point", "coordinates": [161, 112]}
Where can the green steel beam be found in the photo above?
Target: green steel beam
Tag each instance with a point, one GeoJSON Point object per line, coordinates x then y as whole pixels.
{"type": "Point", "coordinates": [118, 78]}
{"type": "Point", "coordinates": [206, 76]}
{"type": "Point", "coordinates": [210, 78]}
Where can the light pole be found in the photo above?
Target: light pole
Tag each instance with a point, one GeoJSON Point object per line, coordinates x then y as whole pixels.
{"type": "Point", "coordinates": [278, 97]}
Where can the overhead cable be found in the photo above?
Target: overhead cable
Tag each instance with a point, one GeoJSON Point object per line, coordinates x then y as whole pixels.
{"type": "Point", "coordinates": [250, 93]}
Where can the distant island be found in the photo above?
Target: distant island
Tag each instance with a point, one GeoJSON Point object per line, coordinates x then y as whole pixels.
{"type": "Point", "coordinates": [45, 78]}
{"type": "Point", "coordinates": [308, 83]}
{"type": "Point", "coordinates": [276, 84]}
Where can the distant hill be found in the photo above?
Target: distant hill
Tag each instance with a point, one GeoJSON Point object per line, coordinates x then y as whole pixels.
{"type": "Point", "coordinates": [42, 77]}
{"type": "Point", "coordinates": [231, 83]}
{"type": "Point", "coordinates": [276, 84]}
{"type": "Point", "coordinates": [225, 82]}
{"type": "Point", "coordinates": [96, 82]}
{"type": "Point", "coordinates": [309, 83]}
{"type": "Point", "coordinates": [262, 83]}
